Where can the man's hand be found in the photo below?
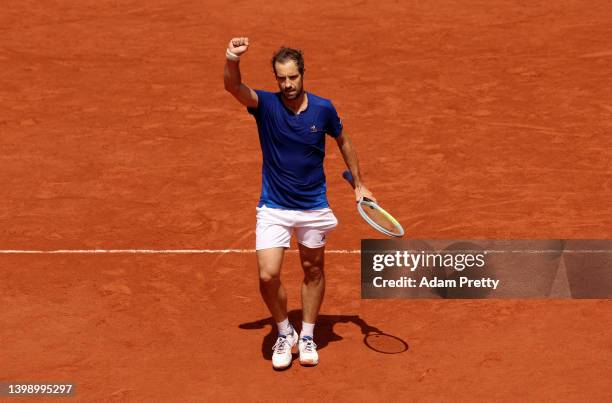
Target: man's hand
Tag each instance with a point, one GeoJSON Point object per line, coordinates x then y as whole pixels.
{"type": "Point", "coordinates": [238, 46]}
{"type": "Point", "coordinates": [362, 191]}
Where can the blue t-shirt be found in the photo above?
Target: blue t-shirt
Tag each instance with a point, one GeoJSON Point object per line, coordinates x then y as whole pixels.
{"type": "Point", "coordinates": [293, 148]}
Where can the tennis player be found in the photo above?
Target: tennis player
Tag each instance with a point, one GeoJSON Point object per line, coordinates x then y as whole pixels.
{"type": "Point", "coordinates": [292, 125]}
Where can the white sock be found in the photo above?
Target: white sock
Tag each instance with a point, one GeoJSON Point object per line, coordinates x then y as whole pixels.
{"type": "Point", "coordinates": [284, 327]}
{"type": "Point", "coordinates": [307, 330]}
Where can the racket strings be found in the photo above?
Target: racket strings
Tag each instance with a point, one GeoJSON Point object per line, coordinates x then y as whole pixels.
{"type": "Point", "coordinates": [380, 218]}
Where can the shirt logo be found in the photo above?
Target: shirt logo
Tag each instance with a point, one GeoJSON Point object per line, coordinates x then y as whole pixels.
{"type": "Point", "coordinates": [313, 129]}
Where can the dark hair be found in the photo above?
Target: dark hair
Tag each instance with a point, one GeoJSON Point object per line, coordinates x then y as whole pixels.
{"type": "Point", "coordinates": [285, 54]}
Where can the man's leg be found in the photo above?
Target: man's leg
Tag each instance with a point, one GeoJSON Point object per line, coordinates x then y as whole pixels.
{"type": "Point", "coordinates": [313, 285]}
{"type": "Point", "coordinates": [313, 289]}
{"type": "Point", "coordinates": [269, 262]}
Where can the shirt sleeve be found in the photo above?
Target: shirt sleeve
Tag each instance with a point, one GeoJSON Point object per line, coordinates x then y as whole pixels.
{"type": "Point", "coordinates": [263, 101]}
{"type": "Point", "coordinates": [334, 123]}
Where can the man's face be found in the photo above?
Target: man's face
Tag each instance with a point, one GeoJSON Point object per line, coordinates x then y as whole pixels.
{"type": "Point", "coordinates": [289, 79]}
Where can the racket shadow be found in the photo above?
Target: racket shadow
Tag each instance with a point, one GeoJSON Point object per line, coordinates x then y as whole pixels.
{"type": "Point", "coordinates": [324, 333]}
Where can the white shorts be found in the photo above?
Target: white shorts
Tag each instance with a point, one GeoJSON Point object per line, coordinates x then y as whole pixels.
{"type": "Point", "coordinates": [274, 227]}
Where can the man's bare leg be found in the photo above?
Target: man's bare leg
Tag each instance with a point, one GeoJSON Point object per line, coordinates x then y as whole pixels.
{"type": "Point", "coordinates": [313, 286]}
{"type": "Point", "coordinates": [269, 262]}
{"type": "Point", "coordinates": [313, 289]}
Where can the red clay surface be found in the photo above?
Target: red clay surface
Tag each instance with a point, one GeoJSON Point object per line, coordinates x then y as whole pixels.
{"type": "Point", "coordinates": [481, 120]}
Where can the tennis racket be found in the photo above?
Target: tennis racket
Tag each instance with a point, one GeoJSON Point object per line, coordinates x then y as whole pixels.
{"type": "Point", "coordinates": [375, 215]}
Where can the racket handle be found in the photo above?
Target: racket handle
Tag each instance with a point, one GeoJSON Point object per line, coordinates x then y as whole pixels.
{"type": "Point", "coordinates": [349, 178]}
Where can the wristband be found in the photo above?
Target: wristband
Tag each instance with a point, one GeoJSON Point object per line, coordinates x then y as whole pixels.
{"type": "Point", "coordinates": [231, 56]}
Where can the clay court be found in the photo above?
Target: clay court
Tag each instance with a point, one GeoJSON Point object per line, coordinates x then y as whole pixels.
{"type": "Point", "coordinates": [473, 119]}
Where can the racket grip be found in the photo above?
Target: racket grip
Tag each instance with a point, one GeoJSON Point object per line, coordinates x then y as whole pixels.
{"type": "Point", "coordinates": [349, 178]}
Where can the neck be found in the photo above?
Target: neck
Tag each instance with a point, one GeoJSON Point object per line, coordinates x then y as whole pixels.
{"type": "Point", "coordinates": [298, 104]}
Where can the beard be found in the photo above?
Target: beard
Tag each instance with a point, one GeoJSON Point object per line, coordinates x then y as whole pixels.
{"type": "Point", "coordinates": [292, 95]}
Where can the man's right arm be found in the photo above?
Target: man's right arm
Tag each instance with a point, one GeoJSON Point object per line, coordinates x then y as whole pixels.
{"type": "Point", "coordinates": [232, 78]}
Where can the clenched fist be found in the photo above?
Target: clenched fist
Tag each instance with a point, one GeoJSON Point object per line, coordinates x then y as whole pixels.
{"type": "Point", "coordinates": [238, 46]}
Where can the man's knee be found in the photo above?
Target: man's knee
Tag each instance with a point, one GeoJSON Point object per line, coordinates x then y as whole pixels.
{"type": "Point", "coordinates": [313, 272]}
{"type": "Point", "coordinates": [268, 276]}
{"type": "Point", "coordinates": [269, 272]}
{"type": "Point", "coordinates": [269, 264]}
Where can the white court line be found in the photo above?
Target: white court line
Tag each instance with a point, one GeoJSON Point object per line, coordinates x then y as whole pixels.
{"type": "Point", "coordinates": [222, 251]}
{"type": "Point", "coordinates": [147, 251]}
{"type": "Point", "coordinates": [527, 251]}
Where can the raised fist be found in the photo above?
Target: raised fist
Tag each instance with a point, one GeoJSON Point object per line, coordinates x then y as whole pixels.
{"type": "Point", "coordinates": [238, 45]}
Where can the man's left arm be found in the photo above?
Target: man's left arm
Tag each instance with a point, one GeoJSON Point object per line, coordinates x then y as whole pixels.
{"type": "Point", "coordinates": [350, 158]}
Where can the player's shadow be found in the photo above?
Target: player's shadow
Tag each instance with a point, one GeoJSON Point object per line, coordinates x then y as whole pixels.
{"type": "Point", "coordinates": [323, 334]}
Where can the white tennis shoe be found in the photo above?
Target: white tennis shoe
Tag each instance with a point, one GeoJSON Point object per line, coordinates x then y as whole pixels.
{"type": "Point", "coordinates": [308, 352]}
{"type": "Point", "coordinates": [281, 358]}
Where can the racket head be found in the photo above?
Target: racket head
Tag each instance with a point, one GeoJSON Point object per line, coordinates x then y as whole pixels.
{"type": "Point", "coordinates": [379, 218]}
{"type": "Point", "coordinates": [385, 343]}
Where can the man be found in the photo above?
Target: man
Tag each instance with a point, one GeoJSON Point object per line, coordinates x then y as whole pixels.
{"type": "Point", "coordinates": [292, 125]}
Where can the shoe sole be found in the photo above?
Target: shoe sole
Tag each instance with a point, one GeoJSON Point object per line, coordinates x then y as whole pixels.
{"type": "Point", "coordinates": [280, 368]}
{"type": "Point", "coordinates": [308, 363]}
